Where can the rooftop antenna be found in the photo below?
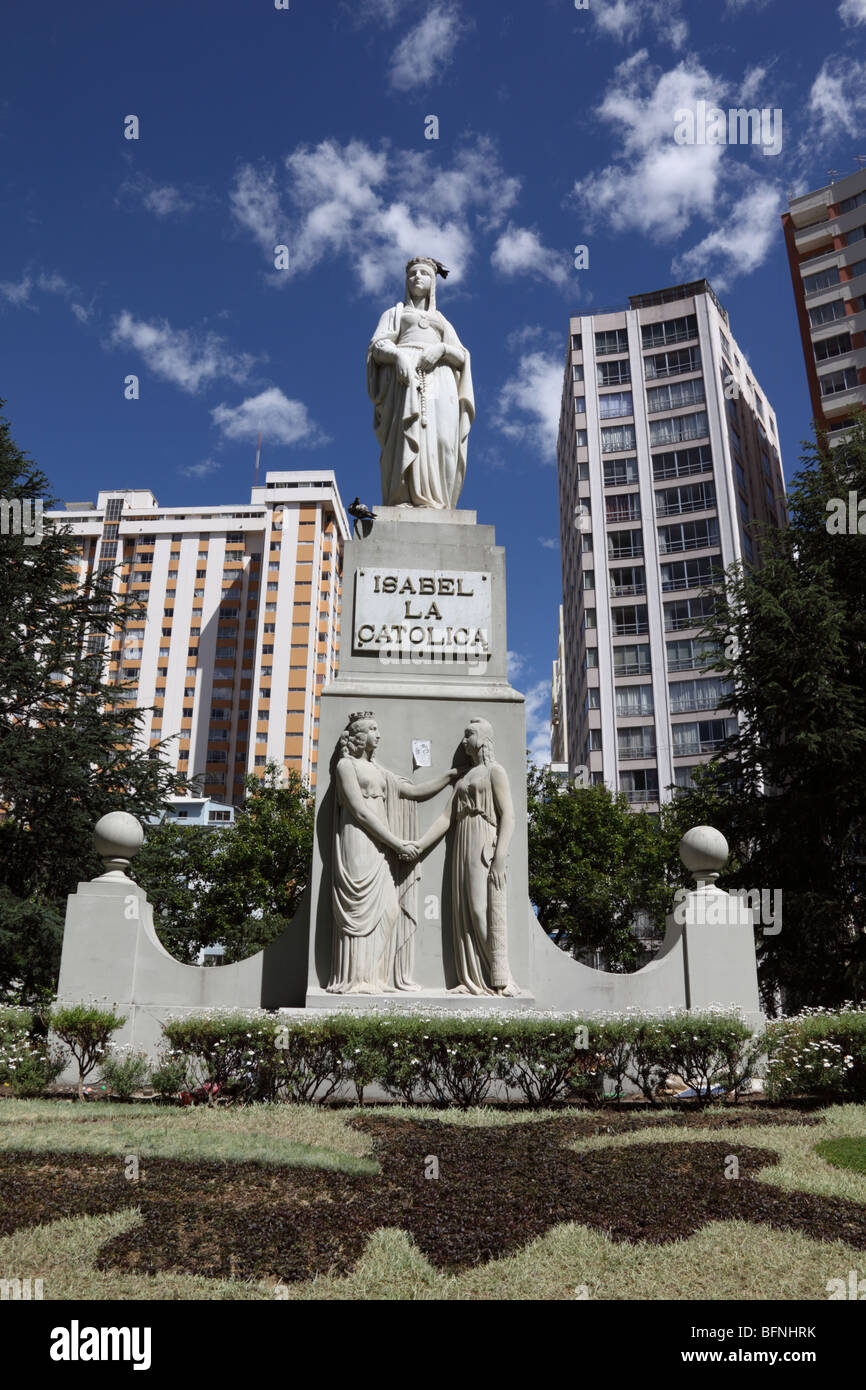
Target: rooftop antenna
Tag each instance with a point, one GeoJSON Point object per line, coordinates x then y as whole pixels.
{"type": "Point", "coordinates": [832, 173]}
{"type": "Point", "coordinates": [861, 159]}
{"type": "Point", "coordinates": [258, 457]}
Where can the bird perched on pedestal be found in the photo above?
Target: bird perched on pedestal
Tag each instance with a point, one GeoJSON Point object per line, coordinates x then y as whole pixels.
{"type": "Point", "coordinates": [360, 511]}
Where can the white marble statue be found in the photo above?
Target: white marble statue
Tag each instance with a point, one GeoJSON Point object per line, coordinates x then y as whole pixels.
{"type": "Point", "coordinates": [374, 866]}
{"type": "Point", "coordinates": [481, 819]}
{"type": "Point", "coordinates": [420, 383]}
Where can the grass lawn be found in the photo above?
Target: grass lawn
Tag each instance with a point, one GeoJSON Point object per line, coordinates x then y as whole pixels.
{"type": "Point", "coordinates": [848, 1151]}
{"type": "Point", "coordinates": [303, 1202]}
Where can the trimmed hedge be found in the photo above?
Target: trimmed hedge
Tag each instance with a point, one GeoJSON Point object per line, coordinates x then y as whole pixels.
{"type": "Point", "coordinates": [817, 1054]}
{"type": "Point", "coordinates": [449, 1060]}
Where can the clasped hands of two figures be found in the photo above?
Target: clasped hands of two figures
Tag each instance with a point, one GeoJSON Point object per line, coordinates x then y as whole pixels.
{"type": "Point", "coordinates": [410, 851]}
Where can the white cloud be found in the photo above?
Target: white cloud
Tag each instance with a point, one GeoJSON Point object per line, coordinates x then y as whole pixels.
{"type": "Point", "coordinates": [549, 542]}
{"type": "Point", "coordinates": [255, 204]}
{"type": "Point", "coordinates": [530, 403]}
{"type": "Point", "coordinates": [537, 699]}
{"type": "Point", "coordinates": [740, 244]}
{"type": "Point", "coordinates": [516, 665]}
{"type": "Point", "coordinates": [658, 187]}
{"type": "Point", "coordinates": [19, 293]}
{"type": "Point", "coordinates": [838, 96]}
{"type": "Point", "coordinates": [385, 12]}
{"type": "Point", "coordinates": [520, 251]}
{"type": "Point", "coordinates": [624, 19]}
{"type": "Point", "coordinates": [375, 208]}
{"type": "Point", "coordinates": [201, 470]}
{"type": "Point", "coordinates": [853, 11]}
{"type": "Point", "coordinates": [187, 359]}
{"type": "Point", "coordinates": [161, 199]}
{"type": "Point", "coordinates": [425, 52]}
{"type": "Point", "coordinates": [281, 420]}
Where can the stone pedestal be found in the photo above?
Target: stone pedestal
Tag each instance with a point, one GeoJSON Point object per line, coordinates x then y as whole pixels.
{"type": "Point", "coordinates": [423, 646]}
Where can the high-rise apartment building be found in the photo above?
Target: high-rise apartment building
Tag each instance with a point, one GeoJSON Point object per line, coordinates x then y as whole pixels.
{"type": "Point", "coordinates": [825, 233]}
{"type": "Point", "coordinates": [668, 450]}
{"type": "Point", "coordinates": [238, 624]}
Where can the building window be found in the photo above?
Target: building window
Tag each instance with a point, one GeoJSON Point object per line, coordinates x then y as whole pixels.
{"type": "Point", "coordinates": [827, 313]}
{"type": "Point", "coordinates": [623, 544]}
{"type": "Point", "coordinates": [682, 463]}
{"type": "Point", "coordinates": [823, 280]}
{"type": "Point", "coordinates": [675, 394]}
{"type": "Point", "coordinates": [836, 346]}
{"type": "Point", "coordinates": [631, 620]}
{"type": "Point", "coordinates": [576, 342]}
{"type": "Point", "coordinates": [691, 654]}
{"type": "Point", "coordinates": [850, 204]}
{"type": "Point", "coordinates": [689, 612]}
{"type": "Point", "coordinates": [614, 340]}
{"type": "Point", "coordinates": [576, 371]}
{"type": "Point", "coordinates": [633, 660]}
{"type": "Point", "coordinates": [671, 331]}
{"type": "Point", "coordinates": [678, 427]}
{"type": "Point", "coordinates": [622, 507]}
{"type": "Point", "coordinates": [640, 784]}
{"type": "Point", "coordinates": [615, 404]}
{"type": "Point", "coordinates": [634, 699]}
{"type": "Point", "coordinates": [613, 373]}
{"type": "Point", "coordinates": [672, 363]}
{"type": "Point", "coordinates": [834, 382]}
{"type": "Point", "coordinates": [711, 692]}
{"type": "Point", "coordinates": [628, 580]}
{"type": "Point", "coordinates": [580, 405]}
{"type": "Point", "coordinates": [688, 535]}
{"type": "Point", "coordinates": [618, 472]}
{"type": "Point", "coordinates": [580, 439]}
{"type": "Point", "coordinates": [636, 743]}
{"type": "Point", "coordinates": [618, 439]}
{"type": "Point", "coordinates": [691, 497]}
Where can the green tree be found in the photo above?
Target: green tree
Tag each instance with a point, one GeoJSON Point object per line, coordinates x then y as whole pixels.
{"type": "Point", "coordinates": [68, 742]}
{"type": "Point", "coordinates": [788, 790]}
{"type": "Point", "coordinates": [240, 885]}
{"type": "Point", "coordinates": [594, 864]}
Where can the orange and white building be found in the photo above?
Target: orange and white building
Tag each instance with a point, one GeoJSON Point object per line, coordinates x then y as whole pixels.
{"type": "Point", "coordinates": [239, 620]}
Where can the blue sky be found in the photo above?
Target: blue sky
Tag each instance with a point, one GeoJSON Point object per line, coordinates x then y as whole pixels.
{"type": "Point", "coordinates": [306, 126]}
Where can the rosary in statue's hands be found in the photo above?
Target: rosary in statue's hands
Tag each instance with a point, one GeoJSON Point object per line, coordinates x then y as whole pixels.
{"type": "Point", "coordinates": [431, 357]}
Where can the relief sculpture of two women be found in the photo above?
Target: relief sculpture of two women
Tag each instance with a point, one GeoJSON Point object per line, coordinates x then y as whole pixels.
{"type": "Point", "coordinates": [375, 871]}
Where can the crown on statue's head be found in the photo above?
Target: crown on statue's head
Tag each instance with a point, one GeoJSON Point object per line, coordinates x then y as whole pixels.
{"type": "Point", "coordinates": [428, 260]}
{"type": "Point", "coordinates": [361, 714]}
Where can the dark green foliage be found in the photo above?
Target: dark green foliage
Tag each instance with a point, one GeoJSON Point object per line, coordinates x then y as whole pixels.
{"type": "Point", "coordinates": [66, 747]}
{"type": "Point", "coordinates": [86, 1029]}
{"type": "Point", "coordinates": [454, 1060]}
{"type": "Point", "coordinates": [593, 864]}
{"type": "Point", "coordinates": [124, 1072]}
{"type": "Point", "coordinates": [790, 794]}
{"type": "Point", "coordinates": [238, 886]}
{"type": "Point", "coordinates": [28, 1062]}
{"type": "Point", "coordinates": [817, 1054]}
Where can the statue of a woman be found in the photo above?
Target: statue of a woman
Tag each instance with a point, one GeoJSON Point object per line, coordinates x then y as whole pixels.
{"type": "Point", "coordinates": [420, 383]}
{"type": "Point", "coordinates": [481, 817]}
{"type": "Point", "coordinates": [374, 866]}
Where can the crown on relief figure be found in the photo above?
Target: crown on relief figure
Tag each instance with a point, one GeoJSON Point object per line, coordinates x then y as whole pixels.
{"type": "Point", "coordinates": [361, 714]}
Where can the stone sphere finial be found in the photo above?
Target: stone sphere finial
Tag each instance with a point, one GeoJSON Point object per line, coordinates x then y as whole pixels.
{"type": "Point", "coordinates": [117, 837]}
{"type": "Point", "coordinates": [704, 851]}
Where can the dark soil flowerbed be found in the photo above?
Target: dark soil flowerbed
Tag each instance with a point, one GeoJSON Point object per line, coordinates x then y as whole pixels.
{"type": "Point", "coordinates": [498, 1188]}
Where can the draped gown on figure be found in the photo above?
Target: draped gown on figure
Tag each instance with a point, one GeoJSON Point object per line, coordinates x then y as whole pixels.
{"type": "Point", "coordinates": [475, 832]}
{"type": "Point", "coordinates": [373, 898]}
{"type": "Point", "coordinates": [422, 427]}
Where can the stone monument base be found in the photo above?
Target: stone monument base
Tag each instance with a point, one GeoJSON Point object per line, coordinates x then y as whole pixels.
{"type": "Point", "coordinates": [416, 1002]}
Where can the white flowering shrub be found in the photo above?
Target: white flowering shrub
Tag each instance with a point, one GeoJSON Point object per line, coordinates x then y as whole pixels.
{"type": "Point", "coordinates": [818, 1053]}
